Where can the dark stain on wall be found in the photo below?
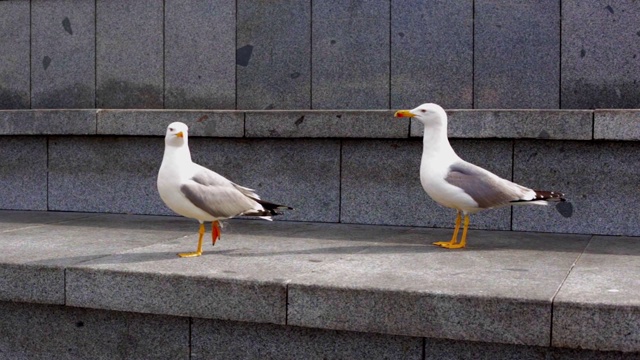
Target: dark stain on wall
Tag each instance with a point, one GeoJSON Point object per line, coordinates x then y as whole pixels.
{"type": "Point", "coordinates": [243, 55]}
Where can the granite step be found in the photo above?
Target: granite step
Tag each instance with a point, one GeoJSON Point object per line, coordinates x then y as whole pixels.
{"type": "Point", "coordinates": [508, 290]}
{"type": "Point", "coordinates": [331, 156]}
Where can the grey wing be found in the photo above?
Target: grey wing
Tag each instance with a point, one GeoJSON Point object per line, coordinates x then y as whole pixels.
{"type": "Point", "coordinates": [484, 187]}
{"type": "Point", "coordinates": [216, 195]}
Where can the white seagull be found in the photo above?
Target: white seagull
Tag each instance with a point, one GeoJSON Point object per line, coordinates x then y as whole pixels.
{"type": "Point", "coordinates": [196, 192]}
{"type": "Point", "coordinates": [455, 183]}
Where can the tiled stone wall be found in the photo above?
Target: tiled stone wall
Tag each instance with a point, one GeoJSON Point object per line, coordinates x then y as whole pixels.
{"type": "Point", "coordinates": [130, 62]}
{"type": "Point", "coordinates": [199, 56]}
{"type": "Point", "coordinates": [338, 54]}
{"type": "Point", "coordinates": [600, 54]}
{"type": "Point", "coordinates": [32, 331]}
{"type": "Point", "coordinates": [35, 331]}
{"type": "Point", "coordinates": [516, 54]}
{"type": "Point", "coordinates": [63, 54]}
{"type": "Point", "coordinates": [15, 64]}
{"type": "Point", "coordinates": [24, 172]}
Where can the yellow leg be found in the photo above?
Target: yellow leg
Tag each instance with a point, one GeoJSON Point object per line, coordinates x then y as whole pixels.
{"type": "Point", "coordinates": [199, 251]}
{"type": "Point", "coordinates": [454, 238]}
{"type": "Point", "coordinates": [215, 232]}
{"type": "Point", "coordinates": [463, 241]}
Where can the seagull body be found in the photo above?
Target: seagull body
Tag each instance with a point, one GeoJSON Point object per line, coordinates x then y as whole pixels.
{"type": "Point", "coordinates": [196, 192]}
{"type": "Point", "coordinates": [457, 184]}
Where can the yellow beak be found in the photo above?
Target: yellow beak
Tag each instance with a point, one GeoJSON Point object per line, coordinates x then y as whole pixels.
{"type": "Point", "coordinates": [403, 113]}
{"type": "Point", "coordinates": [180, 134]}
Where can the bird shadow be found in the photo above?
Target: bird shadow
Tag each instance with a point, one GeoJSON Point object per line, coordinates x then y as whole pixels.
{"type": "Point", "coordinates": [254, 239]}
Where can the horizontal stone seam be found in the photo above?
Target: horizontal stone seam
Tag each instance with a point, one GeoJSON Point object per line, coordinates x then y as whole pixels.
{"type": "Point", "coordinates": [318, 137]}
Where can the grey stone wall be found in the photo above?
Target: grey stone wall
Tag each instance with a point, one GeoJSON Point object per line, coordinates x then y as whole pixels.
{"type": "Point", "coordinates": [338, 54]}
{"type": "Point", "coordinates": [35, 331]}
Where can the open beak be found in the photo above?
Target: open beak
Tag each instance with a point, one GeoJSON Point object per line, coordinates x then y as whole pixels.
{"type": "Point", "coordinates": [403, 113]}
{"type": "Point", "coordinates": [180, 134]}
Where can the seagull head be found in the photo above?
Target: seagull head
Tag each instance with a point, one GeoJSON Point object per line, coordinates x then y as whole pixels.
{"type": "Point", "coordinates": [177, 134]}
{"type": "Point", "coordinates": [427, 114]}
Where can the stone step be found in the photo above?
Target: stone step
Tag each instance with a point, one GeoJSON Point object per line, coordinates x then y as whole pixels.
{"type": "Point", "coordinates": [332, 166]}
{"type": "Point", "coordinates": [508, 292]}
{"type": "Point", "coordinates": [603, 124]}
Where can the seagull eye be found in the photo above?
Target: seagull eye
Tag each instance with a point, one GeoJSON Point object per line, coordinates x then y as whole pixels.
{"type": "Point", "coordinates": [171, 129]}
{"type": "Point", "coordinates": [423, 110]}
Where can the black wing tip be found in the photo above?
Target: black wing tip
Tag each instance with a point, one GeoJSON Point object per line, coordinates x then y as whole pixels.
{"type": "Point", "coordinates": [542, 195]}
{"type": "Point", "coordinates": [269, 206]}
{"type": "Point", "coordinates": [549, 195]}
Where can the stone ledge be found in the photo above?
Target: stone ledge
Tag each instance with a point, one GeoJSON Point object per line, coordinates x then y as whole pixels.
{"type": "Point", "coordinates": [616, 125]}
{"type": "Point", "coordinates": [214, 123]}
{"type": "Point", "coordinates": [515, 124]}
{"type": "Point", "coordinates": [47, 122]}
{"type": "Point", "coordinates": [379, 279]}
{"type": "Point", "coordinates": [326, 124]}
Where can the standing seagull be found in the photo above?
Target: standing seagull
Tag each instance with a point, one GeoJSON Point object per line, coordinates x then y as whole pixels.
{"type": "Point", "coordinates": [196, 192]}
{"type": "Point", "coordinates": [455, 183]}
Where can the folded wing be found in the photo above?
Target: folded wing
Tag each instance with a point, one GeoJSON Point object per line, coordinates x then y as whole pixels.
{"type": "Point", "coordinates": [219, 197]}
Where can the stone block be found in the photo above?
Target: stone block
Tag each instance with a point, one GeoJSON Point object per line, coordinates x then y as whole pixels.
{"type": "Point", "coordinates": [381, 183]}
{"type": "Point", "coordinates": [516, 124]}
{"type": "Point", "coordinates": [325, 124]}
{"type": "Point", "coordinates": [598, 306]}
{"type": "Point", "coordinates": [303, 175]}
{"type": "Point", "coordinates": [57, 332]}
{"type": "Point", "coordinates": [596, 179]}
{"type": "Point", "coordinates": [23, 179]}
{"type": "Point", "coordinates": [181, 295]}
{"type": "Point", "coordinates": [48, 122]}
{"type": "Point", "coordinates": [129, 54]}
{"type": "Point", "coordinates": [350, 54]}
{"type": "Point", "coordinates": [199, 54]}
{"type": "Point", "coordinates": [63, 54]}
{"type": "Point", "coordinates": [107, 174]}
{"type": "Point", "coordinates": [33, 258]}
{"type": "Point", "coordinates": [276, 73]}
{"type": "Point", "coordinates": [616, 125]}
{"type": "Point", "coordinates": [438, 349]}
{"type": "Point", "coordinates": [155, 122]}
{"type": "Point", "coordinates": [244, 277]}
{"type": "Point", "coordinates": [500, 290]}
{"type": "Point", "coordinates": [517, 52]}
{"type": "Point", "coordinates": [214, 339]}
{"type": "Point", "coordinates": [432, 53]}
{"type": "Point", "coordinates": [15, 34]}
{"type": "Point", "coordinates": [30, 283]}
{"type": "Point", "coordinates": [600, 57]}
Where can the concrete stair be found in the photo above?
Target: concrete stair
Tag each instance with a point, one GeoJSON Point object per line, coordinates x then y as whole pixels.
{"type": "Point", "coordinates": [338, 166]}
{"type": "Point", "coordinates": [87, 285]}
{"type": "Point", "coordinates": [351, 272]}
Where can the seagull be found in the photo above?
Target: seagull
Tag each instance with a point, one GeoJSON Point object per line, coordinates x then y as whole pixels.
{"type": "Point", "coordinates": [457, 184]}
{"type": "Point", "coordinates": [196, 192]}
